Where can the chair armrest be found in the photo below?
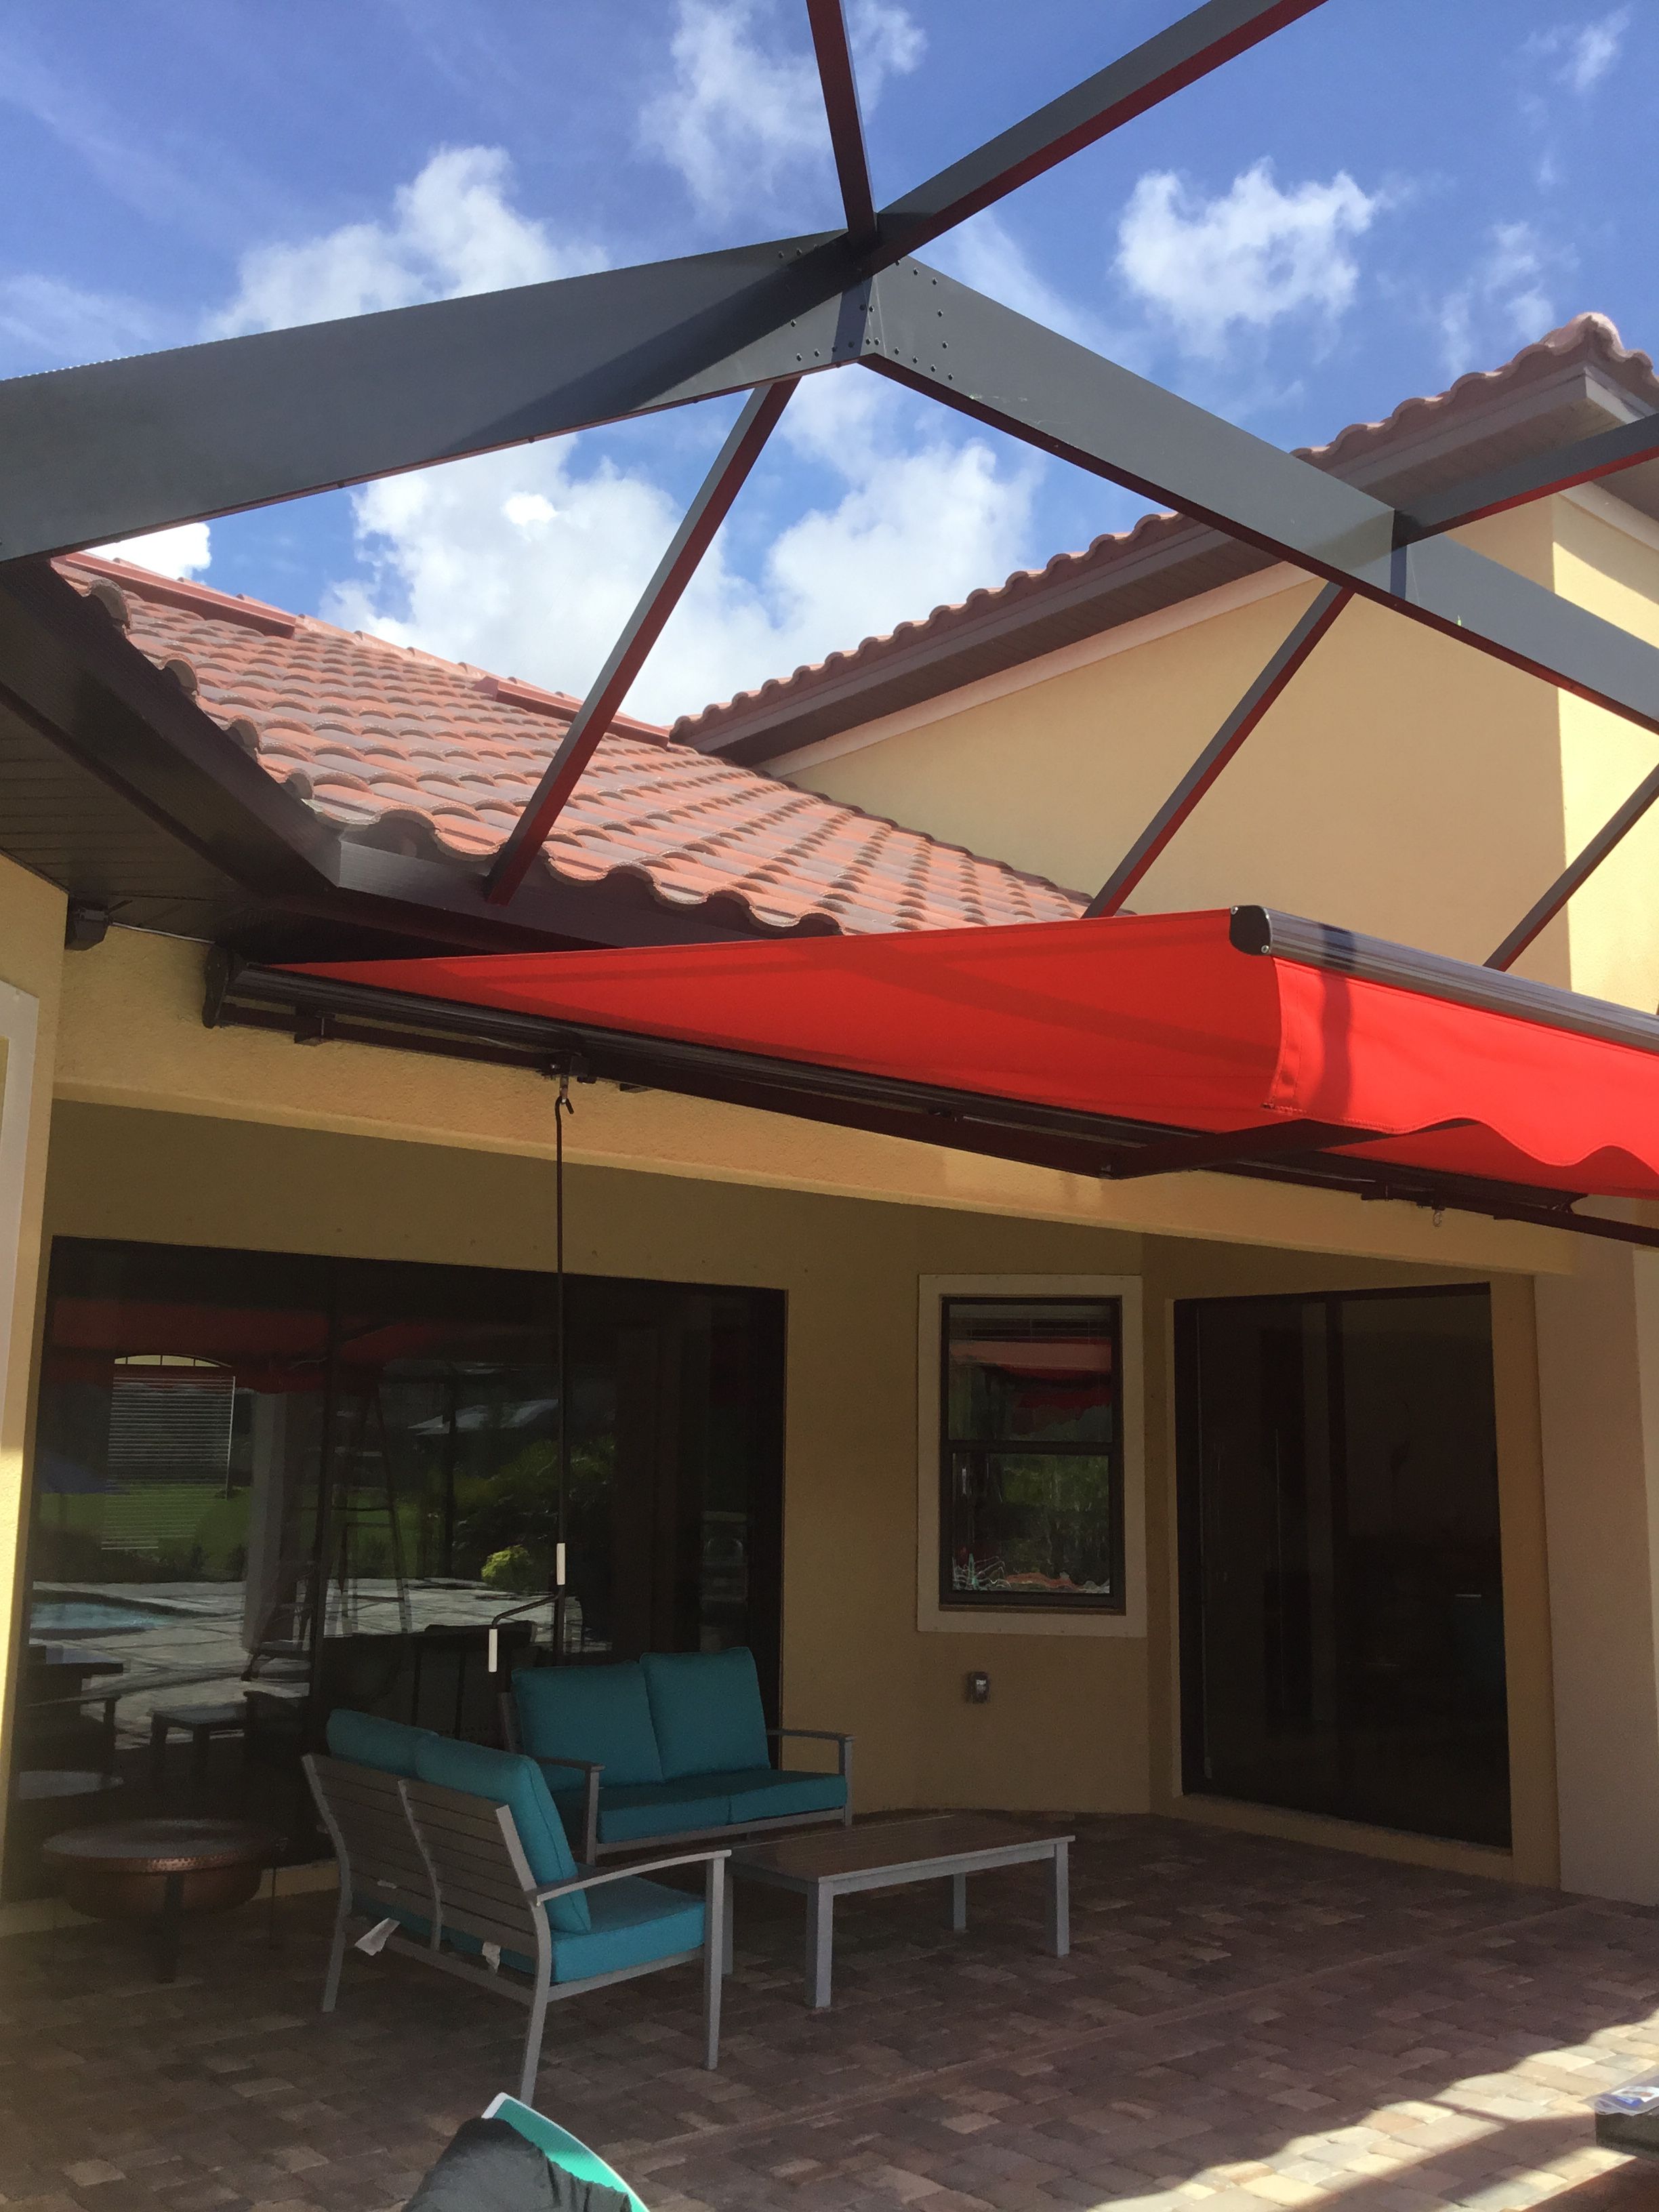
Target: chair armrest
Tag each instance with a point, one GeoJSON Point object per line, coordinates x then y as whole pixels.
{"type": "Point", "coordinates": [590, 1798]}
{"type": "Point", "coordinates": [626, 1873]}
{"type": "Point", "coordinates": [843, 1743]}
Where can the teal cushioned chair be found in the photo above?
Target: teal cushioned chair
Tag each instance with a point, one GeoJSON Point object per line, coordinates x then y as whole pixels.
{"type": "Point", "coordinates": [367, 1740]}
{"type": "Point", "coordinates": [507, 1779]}
{"type": "Point", "coordinates": [474, 1839]}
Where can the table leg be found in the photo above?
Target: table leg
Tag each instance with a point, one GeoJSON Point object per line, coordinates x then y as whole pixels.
{"type": "Point", "coordinates": [158, 1748]}
{"type": "Point", "coordinates": [1059, 1901]}
{"type": "Point", "coordinates": [958, 1902]}
{"type": "Point", "coordinates": [820, 1943]}
{"type": "Point", "coordinates": [166, 1928]}
{"type": "Point", "coordinates": [727, 1939]}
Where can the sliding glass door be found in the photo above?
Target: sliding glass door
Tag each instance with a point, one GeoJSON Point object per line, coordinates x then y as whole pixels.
{"type": "Point", "coordinates": [266, 1484]}
{"type": "Point", "coordinates": [1341, 1579]}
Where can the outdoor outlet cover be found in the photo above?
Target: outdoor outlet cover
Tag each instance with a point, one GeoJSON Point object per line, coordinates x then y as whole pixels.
{"type": "Point", "coordinates": [979, 1689]}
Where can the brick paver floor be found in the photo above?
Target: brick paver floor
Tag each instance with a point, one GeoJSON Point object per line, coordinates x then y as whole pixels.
{"type": "Point", "coordinates": [1241, 2024]}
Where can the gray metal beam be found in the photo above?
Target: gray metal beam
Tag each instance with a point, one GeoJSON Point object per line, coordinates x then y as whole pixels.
{"type": "Point", "coordinates": [88, 455]}
{"type": "Point", "coordinates": [118, 448]}
{"type": "Point", "coordinates": [1613, 832]}
{"type": "Point", "coordinates": [1303, 635]}
{"type": "Point", "coordinates": [841, 105]}
{"type": "Point", "coordinates": [941, 337]}
{"type": "Point", "coordinates": [1586, 460]}
{"type": "Point", "coordinates": [1188, 51]}
{"type": "Point", "coordinates": [644, 626]}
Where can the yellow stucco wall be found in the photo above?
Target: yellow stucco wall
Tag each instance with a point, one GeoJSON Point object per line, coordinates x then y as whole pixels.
{"type": "Point", "coordinates": [1404, 785]}
{"type": "Point", "coordinates": [1612, 924]}
{"type": "Point", "coordinates": [30, 958]}
{"type": "Point", "coordinates": [1075, 1721]}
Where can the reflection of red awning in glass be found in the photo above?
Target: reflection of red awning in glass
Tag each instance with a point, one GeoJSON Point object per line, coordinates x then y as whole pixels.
{"type": "Point", "coordinates": [1160, 1019]}
{"type": "Point", "coordinates": [269, 1348]}
{"type": "Point", "coordinates": [1022, 1358]}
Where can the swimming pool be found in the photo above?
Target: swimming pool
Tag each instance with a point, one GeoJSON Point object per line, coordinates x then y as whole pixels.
{"type": "Point", "coordinates": [88, 1616]}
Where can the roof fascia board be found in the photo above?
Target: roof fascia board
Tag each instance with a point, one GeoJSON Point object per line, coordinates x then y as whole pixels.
{"type": "Point", "coordinates": [936, 337]}
{"type": "Point", "coordinates": [1618, 514]}
{"type": "Point", "coordinates": [761, 738]}
{"type": "Point", "coordinates": [78, 681]}
{"type": "Point", "coordinates": [87, 688]}
{"type": "Point", "coordinates": [1177, 543]}
{"type": "Point", "coordinates": [1065, 660]}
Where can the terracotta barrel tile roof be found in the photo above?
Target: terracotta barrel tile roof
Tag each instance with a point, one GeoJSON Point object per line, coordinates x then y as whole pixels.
{"type": "Point", "coordinates": [381, 737]}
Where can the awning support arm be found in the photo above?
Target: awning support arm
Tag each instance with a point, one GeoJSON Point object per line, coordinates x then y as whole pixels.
{"type": "Point", "coordinates": [834, 53]}
{"type": "Point", "coordinates": [1538, 919]}
{"type": "Point", "coordinates": [1230, 1147]}
{"type": "Point", "coordinates": [1303, 636]}
{"type": "Point", "coordinates": [736, 458]}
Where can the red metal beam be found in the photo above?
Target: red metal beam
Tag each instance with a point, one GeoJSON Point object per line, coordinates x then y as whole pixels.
{"type": "Point", "coordinates": [1165, 63]}
{"type": "Point", "coordinates": [644, 626]}
{"type": "Point", "coordinates": [1539, 918]}
{"type": "Point", "coordinates": [841, 105]}
{"type": "Point", "coordinates": [1268, 686]}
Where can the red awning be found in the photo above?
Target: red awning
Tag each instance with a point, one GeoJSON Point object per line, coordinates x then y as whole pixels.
{"type": "Point", "coordinates": [1156, 1020]}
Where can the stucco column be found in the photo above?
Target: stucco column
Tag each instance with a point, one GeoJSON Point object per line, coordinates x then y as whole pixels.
{"type": "Point", "coordinates": [1598, 1375]}
{"type": "Point", "coordinates": [31, 959]}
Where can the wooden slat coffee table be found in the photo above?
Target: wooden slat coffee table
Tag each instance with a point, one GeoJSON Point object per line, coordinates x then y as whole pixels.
{"type": "Point", "coordinates": [887, 1855]}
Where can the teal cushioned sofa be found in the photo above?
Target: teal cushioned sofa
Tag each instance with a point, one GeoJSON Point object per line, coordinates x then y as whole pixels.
{"type": "Point", "coordinates": [670, 1749]}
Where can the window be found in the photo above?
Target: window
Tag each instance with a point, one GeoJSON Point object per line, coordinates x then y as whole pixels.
{"type": "Point", "coordinates": [1031, 1457]}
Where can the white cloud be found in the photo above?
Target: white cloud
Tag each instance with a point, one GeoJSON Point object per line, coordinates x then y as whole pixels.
{"type": "Point", "coordinates": [985, 253]}
{"type": "Point", "coordinates": [1244, 259]}
{"type": "Point", "coordinates": [1583, 52]}
{"type": "Point", "coordinates": [1503, 303]}
{"type": "Point", "coordinates": [525, 563]}
{"type": "Point", "coordinates": [452, 230]}
{"type": "Point", "coordinates": [182, 551]}
{"type": "Point", "coordinates": [742, 113]}
{"type": "Point", "coordinates": [48, 323]}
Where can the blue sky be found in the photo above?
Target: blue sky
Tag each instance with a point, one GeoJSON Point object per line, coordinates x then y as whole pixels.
{"type": "Point", "coordinates": [1384, 197]}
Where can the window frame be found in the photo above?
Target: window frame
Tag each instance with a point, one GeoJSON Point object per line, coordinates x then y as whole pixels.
{"type": "Point", "coordinates": [950, 1447]}
{"type": "Point", "coordinates": [1020, 1615]}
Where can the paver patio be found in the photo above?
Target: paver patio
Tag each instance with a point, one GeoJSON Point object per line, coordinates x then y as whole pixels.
{"type": "Point", "coordinates": [1241, 2023]}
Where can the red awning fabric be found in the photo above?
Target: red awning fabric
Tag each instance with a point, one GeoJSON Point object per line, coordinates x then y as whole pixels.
{"type": "Point", "coordinates": [1156, 1019]}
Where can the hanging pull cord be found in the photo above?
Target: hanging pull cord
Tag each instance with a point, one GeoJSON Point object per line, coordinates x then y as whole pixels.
{"type": "Point", "coordinates": [563, 1104]}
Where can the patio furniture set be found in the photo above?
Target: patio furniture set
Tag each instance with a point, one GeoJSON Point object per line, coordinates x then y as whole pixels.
{"type": "Point", "coordinates": [464, 1857]}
